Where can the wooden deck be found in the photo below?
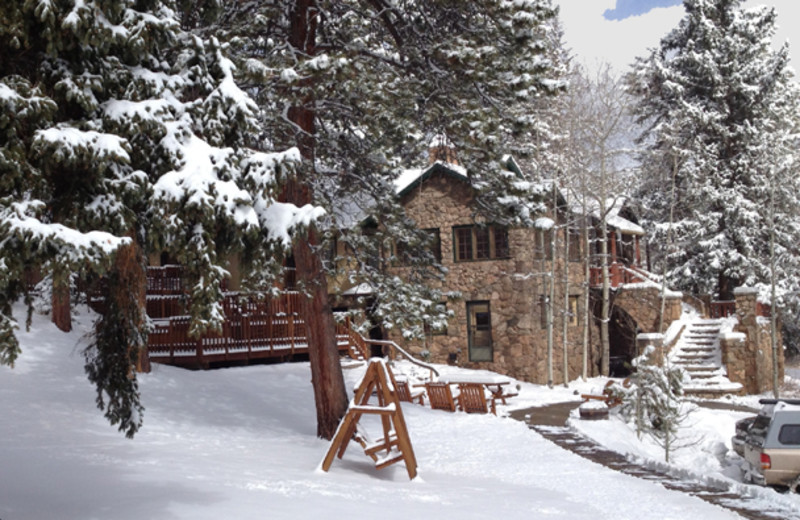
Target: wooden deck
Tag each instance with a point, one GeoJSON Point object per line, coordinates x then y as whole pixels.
{"type": "Point", "coordinates": [255, 327]}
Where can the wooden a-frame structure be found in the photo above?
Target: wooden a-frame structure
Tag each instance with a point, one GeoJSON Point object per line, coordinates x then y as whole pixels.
{"type": "Point", "coordinates": [395, 446]}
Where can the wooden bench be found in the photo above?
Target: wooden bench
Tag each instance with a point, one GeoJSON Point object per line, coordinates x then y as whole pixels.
{"type": "Point", "coordinates": [609, 397]}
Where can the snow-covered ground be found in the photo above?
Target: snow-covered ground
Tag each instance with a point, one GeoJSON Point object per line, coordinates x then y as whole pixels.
{"type": "Point", "coordinates": [240, 443]}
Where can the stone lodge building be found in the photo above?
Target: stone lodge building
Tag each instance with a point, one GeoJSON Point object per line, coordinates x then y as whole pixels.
{"type": "Point", "coordinates": [503, 275]}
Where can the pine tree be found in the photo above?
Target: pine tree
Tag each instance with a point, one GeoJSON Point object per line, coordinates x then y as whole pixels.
{"type": "Point", "coordinates": [124, 135]}
{"type": "Point", "coordinates": [653, 401]}
{"type": "Point", "coordinates": [363, 87]}
{"type": "Point", "coordinates": [720, 107]}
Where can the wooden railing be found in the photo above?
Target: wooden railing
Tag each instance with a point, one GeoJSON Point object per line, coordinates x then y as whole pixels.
{"type": "Point", "coordinates": [254, 328]}
{"type": "Point", "coordinates": [165, 280]}
{"type": "Point", "coordinates": [722, 309]}
{"type": "Point", "coordinates": [357, 347]}
{"type": "Point", "coordinates": [618, 274]}
{"type": "Point", "coordinates": [726, 308]}
{"type": "Point", "coordinates": [396, 349]}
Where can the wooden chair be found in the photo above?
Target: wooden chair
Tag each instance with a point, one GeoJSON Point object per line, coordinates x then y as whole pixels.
{"type": "Point", "coordinates": [472, 398]}
{"type": "Point", "coordinates": [440, 396]}
{"type": "Point", "coordinates": [405, 393]}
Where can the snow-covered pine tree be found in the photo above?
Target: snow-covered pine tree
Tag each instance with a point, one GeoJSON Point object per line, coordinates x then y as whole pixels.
{"type": "Point", "coordinates": [720, 107]}
{"type": "Point", "coordinates": [363, 87]}
{"type": "Point", "coordinates": [123, 135]}
{"type": "Point", "coordinates": [653, 402]}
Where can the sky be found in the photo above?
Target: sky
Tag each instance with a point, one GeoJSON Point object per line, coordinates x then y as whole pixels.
{"type": "Point", "coordinates": [617, 31]}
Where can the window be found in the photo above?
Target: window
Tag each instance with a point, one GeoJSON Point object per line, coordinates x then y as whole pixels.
{"type": "Point", "coordinates": [575, 239]}
{"type": "Point", "coordinates": [789, 434]}
{"type": "Point", "coordinates": [479, 331]}
{"type": "Point", "coordinates": [480, 243]}
{"type": "Point", "coordinates": [573, 311]}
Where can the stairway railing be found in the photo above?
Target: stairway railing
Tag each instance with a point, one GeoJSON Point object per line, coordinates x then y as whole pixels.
{"type": "Point", "coordinates": [398, 349]}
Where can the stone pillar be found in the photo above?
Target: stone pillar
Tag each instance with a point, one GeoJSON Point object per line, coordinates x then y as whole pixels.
{"type": "Point", "coordinates": [672, 308]}
{"type": "Point", "coordinates": [734, 357]}
{"type": "Point", "coordinates": [757, 349]}
{"type": "Point", "coordinates": [746, 303]}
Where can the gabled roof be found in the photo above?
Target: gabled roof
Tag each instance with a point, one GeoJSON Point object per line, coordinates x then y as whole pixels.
{"type": "Point", "coordinates": [613, 218]}
{"type": "Point", "coordinates": [410, 179]}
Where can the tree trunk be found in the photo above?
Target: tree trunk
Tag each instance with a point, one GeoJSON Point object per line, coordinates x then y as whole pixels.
{"type": "Point", "coordinates": [551, 293]}
{"type": "Point", "coordinates": [566, 317]}
{"type": "Point", "coordinates": [587, 273]}
{"type": "Point", "coordinates": [61, 313]}
{"type": "Point", "coordinates": [127, 296]}
{"type": "Point", "coordinates": [326, 371]}
{"type": "Point", "coordinates": [605, 312]}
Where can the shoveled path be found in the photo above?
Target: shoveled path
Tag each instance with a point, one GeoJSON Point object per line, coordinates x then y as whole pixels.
{"type": "Point", "coordinates": [550, 422]}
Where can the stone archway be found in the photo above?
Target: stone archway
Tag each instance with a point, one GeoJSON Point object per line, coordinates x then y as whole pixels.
{"type": "Point", "coordinates": [622, 331]}
{"type": "Point", "coordinates": [643, 305]}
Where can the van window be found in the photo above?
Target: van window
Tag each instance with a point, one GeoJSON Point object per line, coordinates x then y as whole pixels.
{"type": "Point", "coordinates": [789, 434]}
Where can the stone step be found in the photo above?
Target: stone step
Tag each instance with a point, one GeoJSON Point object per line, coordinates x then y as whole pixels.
{"type": "Point", "coordinates": [701, 375]}
{"type": "Point", "coordinates": [695, 343]}
{"type": "Point", "coordinates": [690, 356]}
{"type": "Point", "coordinates": [710, 392]}
{"type": "Point", "coordinates": [695, 351]}
{"type": "Point", "coordinates": [700, 368]}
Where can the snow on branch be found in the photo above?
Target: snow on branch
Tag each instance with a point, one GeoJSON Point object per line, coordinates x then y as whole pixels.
{"type": "Point", "coordinates": [74, 245]}
{"type": "Point", "coordinates": [67, 144]}
{"type": "Point", "coordinates": [281, 220]}
{"type": "Point", "coordinates": [198, 180]}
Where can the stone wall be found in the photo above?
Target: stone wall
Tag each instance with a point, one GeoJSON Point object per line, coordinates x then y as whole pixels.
{"type": "Point", "coordinates": [747, 353]}
{"type": "Point", "coordinates": [643, 304]}
{"type": "Point", "coordinates": [513, 287]}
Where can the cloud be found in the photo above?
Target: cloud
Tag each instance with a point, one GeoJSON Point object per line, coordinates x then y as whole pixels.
{"type": "Point", "coordinates": [628, 8]}
{"type": "Point", "coordinates": [595, 39]}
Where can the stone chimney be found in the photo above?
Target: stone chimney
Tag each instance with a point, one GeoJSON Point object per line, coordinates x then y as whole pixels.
{"type": "Point", "coordinates": [441, 149]}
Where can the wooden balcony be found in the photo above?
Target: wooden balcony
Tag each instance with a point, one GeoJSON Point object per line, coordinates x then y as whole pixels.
{"type": "Point", "coordinates": [618, 274]}
{"type": "Point", "coordinates": [256, 327]}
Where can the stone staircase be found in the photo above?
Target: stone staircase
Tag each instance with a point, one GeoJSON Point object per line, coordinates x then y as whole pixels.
{"type": "Point", "coordinates": [698, 352]}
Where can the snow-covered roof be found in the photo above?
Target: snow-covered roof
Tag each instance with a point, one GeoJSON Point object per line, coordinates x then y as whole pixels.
{"type": "Point", "coordinates": [624, 225]}
{"type": "Point", "coordinates": [613, 219]}
{"type": "Point", "coordinates": [412, 177]}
